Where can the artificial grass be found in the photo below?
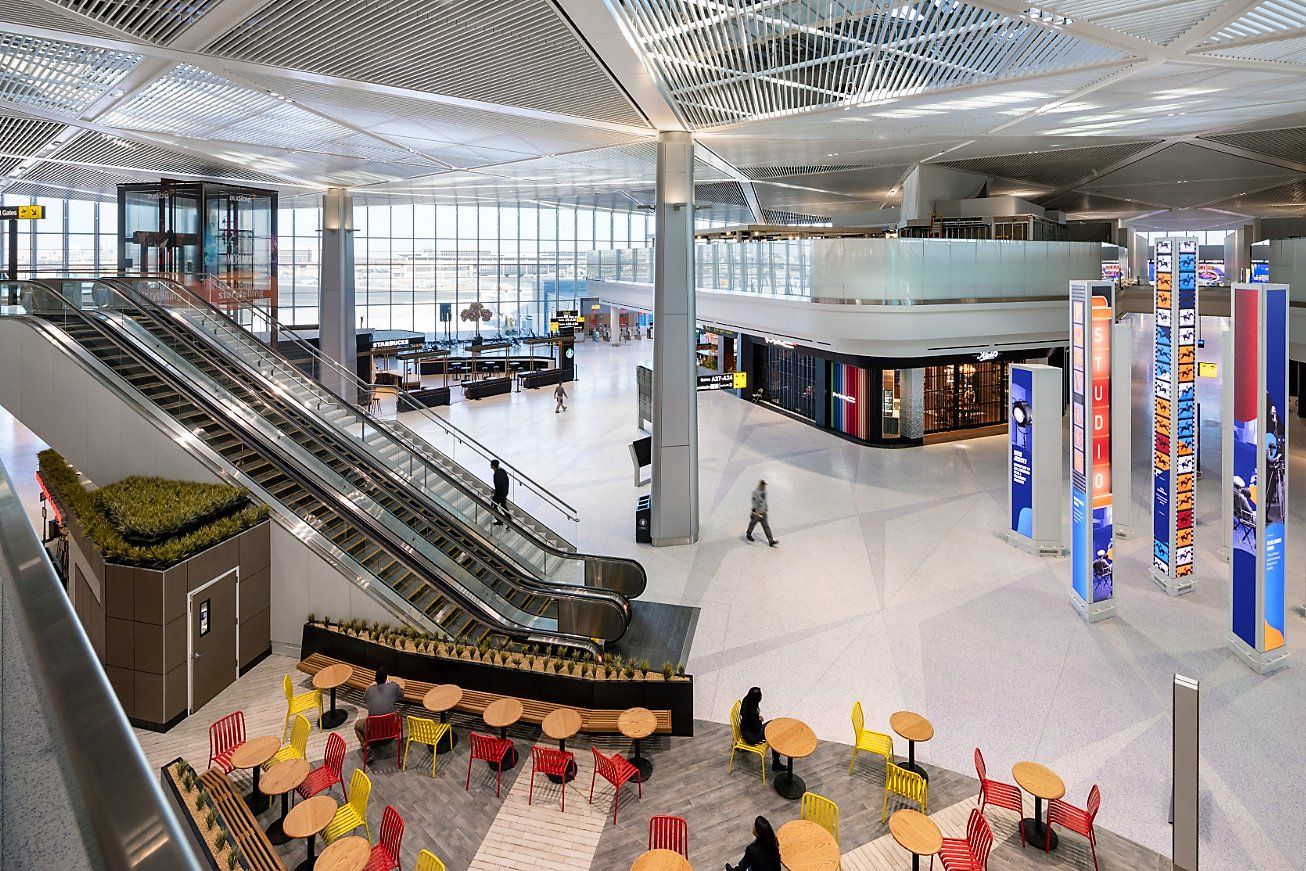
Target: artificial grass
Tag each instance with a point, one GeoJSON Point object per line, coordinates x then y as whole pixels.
{"type": "Point", "coordinates": [195, 521]}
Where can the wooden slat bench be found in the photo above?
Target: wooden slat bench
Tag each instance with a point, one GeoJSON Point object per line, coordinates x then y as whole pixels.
{"type": "Point", "coordinates": [474, 701]}
{"type": "Point", "coordinates": [254, 845]}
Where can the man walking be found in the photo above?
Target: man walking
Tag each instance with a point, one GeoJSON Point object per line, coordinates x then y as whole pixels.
{"type": "Point", "coordinates": [500, 499]}
{"type": "Point", "coordinates": [758, 515]}
{"type": "Point", "coordinates": [560, 395]}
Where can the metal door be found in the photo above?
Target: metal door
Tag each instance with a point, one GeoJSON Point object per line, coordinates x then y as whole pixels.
{"type": "Point", "coordinates": [212, 637]}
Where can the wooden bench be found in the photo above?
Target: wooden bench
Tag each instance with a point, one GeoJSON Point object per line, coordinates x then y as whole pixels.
{"type": "Point", "coordinates": [254, 845]}
{"type": "Point", "coordinates": [474, 701]}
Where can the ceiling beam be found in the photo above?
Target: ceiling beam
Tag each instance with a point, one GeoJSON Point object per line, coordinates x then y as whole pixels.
{"type": "Point", "coordinates": [1219, 19]}
{"type": "Point", "coordinates": [1235, 151]}
{"type": "Point", "coordinates": [714, 160]}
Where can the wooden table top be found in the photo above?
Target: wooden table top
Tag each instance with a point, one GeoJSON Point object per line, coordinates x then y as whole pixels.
{"type": "Point", "coordinates": [637, 723]}
{"type": "Point", "coordinates": [333, 676]}
{"type": "Point", "coordinates": [790, 737]}
{"type": "Point", "coordinates": [442, 697]}
{"type": "Point", "coordinates": [284, 776]}
{"type": "Point", "coordinates": [661, 860]}
{"type": "Point", "coordinates": [310, 816]}
{"type": "Point", "coordinates": [1038, 780]}
{"type": "Point", "coordinates": [915, 832]}
{"type": "Point", "coordinates": [911, 726]}
{"type": "Point", "coordinates": [502, 713]}
{"type": "Point", "coordinates": [346, 854]}
{"type": "Point", "coordinates": [561, 723]}
{"type": "Point", "coordinates": [255, 751]}
{"type": "Point", "coordinates": [805, 846]}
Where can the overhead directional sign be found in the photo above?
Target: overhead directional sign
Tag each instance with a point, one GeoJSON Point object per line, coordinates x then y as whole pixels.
{"type": "Point", "coordinates": [22, 213]}
{"type": "Point", "coordinates": [723, 381]}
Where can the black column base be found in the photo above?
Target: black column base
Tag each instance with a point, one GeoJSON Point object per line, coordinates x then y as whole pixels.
{"type": "Point", "coordinates": [644, 767]}
{"type": "Point", "coordinates": [1037, 834]}
{"type": "Point", "coordinates": [913, 767]}
{"type": "Point", "coordinates": [791, 786]}
{"type": "Point", "coordinates": [276, 834]}
{"type": "Point", "coordinates": [568, 777]}
{"type": "Point", "coordinates": [334, 719]}
{"type": "Point", "coordinates": [508, 761]}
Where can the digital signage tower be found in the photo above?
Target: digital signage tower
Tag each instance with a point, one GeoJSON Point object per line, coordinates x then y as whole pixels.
{"type": "Point", "coordinates": [1034, 459]}
{"type": "Point", "coordinates": [1092, 545]}
{"type": "Point", "coordinates": [1174, 414]}
{"type": "Point", "coordinates": [1257, 490]}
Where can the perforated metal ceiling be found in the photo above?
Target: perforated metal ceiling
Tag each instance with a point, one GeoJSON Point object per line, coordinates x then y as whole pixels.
{"type": "Point", "coordinates": [1289, 143]}
{"type": "Point", "coordinates": [152, 20]}
{"type": "Point", "coordinates": [1159, 22]}
{"type": "Point", "coordinates": [1050, 168]}
{"type": "Point", "coordinates": [514, 52]}
{"type": "Point", "coordinates": [793, 219]}
{"type": "Point", "coordinates": [23, 137]}
{"type": "Point", "coordinates": [103, 151]}
{"type": "Point", "coordinates": [1265, 19]}
{"type": "Point", "coordinates": [30, 14]}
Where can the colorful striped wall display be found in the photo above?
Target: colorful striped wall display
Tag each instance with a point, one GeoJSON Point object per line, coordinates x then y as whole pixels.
{"type": "Point", "coordinates": [851, 400]}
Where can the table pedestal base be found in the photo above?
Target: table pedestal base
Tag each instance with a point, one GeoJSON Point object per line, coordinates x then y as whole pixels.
{"type": "Point", "coordinates": [306, 865]}
{"type": "Point", "coordinates": [508, 761]}
{"type": "Point", "coordinates": [643, 766]}
{"type": "Point", "coordinates": [1036, 834]}
{"type": "Point", "coordinates": [912, 766]}
{"type": "Point", "coordinates": [790, 785]}
{"type": "Point", "coordinates": [568, 777]}
{"type": "Point", "coordinates": [276, 834]}
{"type": "Point", "coordinates": [257, 803]}
{"type": "Point", "coordinates": [334, 719]}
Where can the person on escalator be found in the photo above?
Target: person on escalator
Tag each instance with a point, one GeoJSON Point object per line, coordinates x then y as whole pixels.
{"type": "Point", "coordinates": [500, 499]}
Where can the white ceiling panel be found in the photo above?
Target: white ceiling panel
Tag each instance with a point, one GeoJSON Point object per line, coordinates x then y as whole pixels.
{"type": "Point", "coordinates": [1272, 18]}
{"type": "Point", "coordinates": [46, 15]}
{"type": "Point", "coordinates": [158, 21]}
{"type": "Point", "coordinates": [1185, 175]}
{"type": "Point", "coordinates": [55, 75]}
{"type": "Point", "coordinates": [1159, 21]}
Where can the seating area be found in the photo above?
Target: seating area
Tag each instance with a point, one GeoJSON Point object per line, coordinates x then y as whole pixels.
{"type": "Point", "coordinates": [697, 805]}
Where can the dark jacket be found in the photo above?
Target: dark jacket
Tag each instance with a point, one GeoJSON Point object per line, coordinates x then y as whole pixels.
{"type": "Point", "coordinates": [756, 858]}
{"type": "Point", "coordinates": [750, 724]}
{"type": "Point", "coordinates": [500, 485]}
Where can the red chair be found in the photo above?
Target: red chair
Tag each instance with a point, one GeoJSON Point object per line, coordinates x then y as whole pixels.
{"type": "Point", "coordinates": [492, 750]}
{"type": "Point", "coordinates": [971, 854]}
{"type": "Point", "coordinates": [996, 792]}
{"type": "Point", "coordinates": [329, 773]}
{"type": "Point", "coordinates": [548, 761]}
{"type": "Point", "coordinates": [386, 727]}
{"type": "Point", "coordinates": [669, 833]}
{"type": "Point", "coordinates": [385, 855]}
{"type": "Point", "coordinates": [224, 737]}
{"type": "Point", "coordinates": [1077, 820]}
{"type": "Point", "coordinates": [616, 771]}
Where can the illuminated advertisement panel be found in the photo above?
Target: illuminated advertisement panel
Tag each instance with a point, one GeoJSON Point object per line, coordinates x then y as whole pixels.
{"type": "Point", "coordinates": [1174, 411]}
{"type": "Point", "coordinates": [1020, 426]}
{"type": "Point", "coordinates": [1259, 484]}
{"type": "Point", "coordinates": [1092, 540]}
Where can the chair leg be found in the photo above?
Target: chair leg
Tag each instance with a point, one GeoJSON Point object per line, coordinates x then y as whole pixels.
{"type": "Point", "coordinates": [498, 782]}
{"type": "Point", "coordinates": [435, 757]}
{"type": "Point", "coordinates": [731, 766]}
{"type": "Point", "coordinates": [530, 794]}
{"type": "Point", "coordinates": [853, 764]}
{"type": "Point", "coordinates": [468, 785]}
{"type": "Point", "coordinates": [564, 789]}
{"type": "Point", "coordinates": [593, 778]}
{"type": "Point", "coordinates": [403, 760]}
{"type": "Point", "coordinates": [1092, 845]}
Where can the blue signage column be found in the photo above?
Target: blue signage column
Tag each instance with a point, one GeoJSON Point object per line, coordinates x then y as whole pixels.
{"type": "Point", "coordinates": [1034, 459]}
{"type": "Point", "coordinates": [1174, 414]}
{"type": "Point", "coordinates": [1257, 489]}
{"type": "Point", "coordinates": [1092, 544]}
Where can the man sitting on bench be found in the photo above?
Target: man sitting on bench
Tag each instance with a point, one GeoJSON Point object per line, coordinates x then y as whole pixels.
{"type": "Point", "coordinates": [380, 698]}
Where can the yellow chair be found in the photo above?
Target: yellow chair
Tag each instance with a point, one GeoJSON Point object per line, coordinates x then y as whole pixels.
{"type": "Point", "coordinates": [298, 746]}
{"type": "Point", "coordinates": [426, 861]}
{"type": "Point", "coordinates": [907, 784]}
{"type": "Point", "coordinates": [352, 813]}
{"type": "Point", "coordinates": [864, 739]}
{"type": "Point", "coordinates": [820, 810]}
{"type": "Point", "coordinates": [740, 744]}
{"type": "Point", "coordinates": [424, 731]}
{"type": "Point", "coordinates": [297, 703]}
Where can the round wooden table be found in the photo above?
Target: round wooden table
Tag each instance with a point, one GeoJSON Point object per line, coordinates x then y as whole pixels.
{"type": "Point", "coordinates": [914, 728]}
{"type": "Point", "coordinates": [346, 854]}
{"type": "Point", "coordinates": [561, 724]}
{"type": "Point", "coordinates": [306, 820]}
{"type": "Point", "coordinates": [441, 699]}
{"type": "Point", "coordinates": [252, 754]}
{"type": "Point", "coordinates": [637, 724]}
{"type": "Point", "coordinates": [794, 739]}
{"type": "Point", "coordinates": [280, 779]}
{"type": "Point", "coordinates": [332, 678]}
{"type": "Point", "coordinates": [500, 714]}
{"type": "Point", "coordinates": [917, 834]}
{"type": "Point", "coordinates": [1042, 783]}
{"type": "Point", "coordinates": [806, 846]}
{"type": "Point", "coordinates": [661, 860]}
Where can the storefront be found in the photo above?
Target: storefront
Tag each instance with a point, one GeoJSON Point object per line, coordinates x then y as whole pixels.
{"type": "Point", "coordinates": [888, 402]}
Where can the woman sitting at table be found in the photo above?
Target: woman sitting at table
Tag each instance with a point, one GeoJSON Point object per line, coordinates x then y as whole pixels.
{"type": "Point", "coordinates": [764, 853]}
{"type": "Point", "coordinates": [750, 722]}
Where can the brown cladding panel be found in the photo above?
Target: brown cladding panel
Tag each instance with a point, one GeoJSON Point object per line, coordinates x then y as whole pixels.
{"type": "Point", "coordinates": [120, 592]}
{"type": "Point", "coordinates": [120, 643]}
{"type": "Point", "coordinates": [255, 592]}
{"type": "Point", "coordinates": [255, 636]}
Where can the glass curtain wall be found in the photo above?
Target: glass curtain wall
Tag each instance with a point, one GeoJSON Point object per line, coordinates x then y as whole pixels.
{"type": "Point", "coordinates": [76, 234]}
{"type": "Point", "coordinates": [453, 270]}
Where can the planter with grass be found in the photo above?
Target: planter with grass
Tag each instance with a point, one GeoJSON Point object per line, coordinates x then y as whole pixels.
{"type": "Point", "coordinates": [201, 817]}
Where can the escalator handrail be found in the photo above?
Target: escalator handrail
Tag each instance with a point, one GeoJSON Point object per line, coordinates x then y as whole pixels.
{"type": "Point", "coordinates": [543, 544]}
{"type": "Point", "coordinates": [350, 453]}
{"type": "Point", "coordinates": [477, 609]}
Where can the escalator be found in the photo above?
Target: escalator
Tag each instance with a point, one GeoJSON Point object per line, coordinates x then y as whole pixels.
{"type": "Point", "coordinates": [531, 546]}
{"type": "Point", "coordinates": [331, 494]}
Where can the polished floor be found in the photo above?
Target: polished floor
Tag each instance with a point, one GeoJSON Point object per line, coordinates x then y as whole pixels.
{"type": "Point", "coordinates": [892, 585]}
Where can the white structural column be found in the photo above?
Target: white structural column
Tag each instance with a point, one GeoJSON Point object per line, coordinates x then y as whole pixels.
{"type": "Point", "coordinates": [1138, 246]}
{"type": "Point", "coordinates": [675, 396]}
{"type": "Point", "coordinates": [1122, 428]}
{"type": "Point", "coordinates": [337, 334]}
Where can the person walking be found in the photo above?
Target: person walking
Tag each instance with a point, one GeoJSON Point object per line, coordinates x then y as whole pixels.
{"type": "Point", "coordinates": [758, 515]}
{"type": "Point", "coordinates": [560, 395]}
{"type": "Point", "coordinates": [500, 499]}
